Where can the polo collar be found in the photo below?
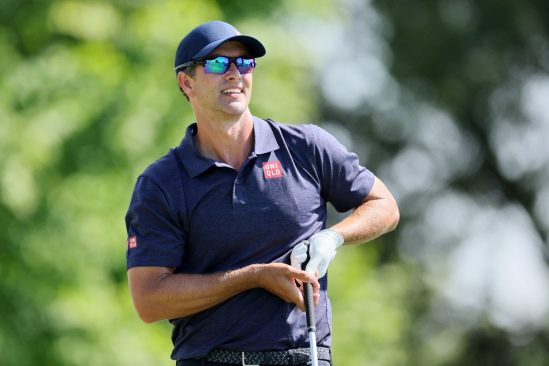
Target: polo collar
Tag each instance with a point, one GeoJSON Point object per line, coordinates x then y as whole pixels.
{"type": "Point", "coordinates": [196, 163]}
{"type": "Point", "coordinates": [264, 138]}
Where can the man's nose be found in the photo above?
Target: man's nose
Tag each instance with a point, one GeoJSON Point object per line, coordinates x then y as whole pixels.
{"type": "Point", "coordinates": [232, 72]}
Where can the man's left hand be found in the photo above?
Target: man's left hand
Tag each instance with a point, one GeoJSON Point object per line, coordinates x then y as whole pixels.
{"type": "Point", "coordinates": [322, 251]}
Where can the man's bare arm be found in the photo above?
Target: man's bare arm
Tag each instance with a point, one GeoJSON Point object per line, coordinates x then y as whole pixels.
{"type": "Point", "coordinates": [377, 214]}
{"type": "Point", "coordinates": [159, 294]}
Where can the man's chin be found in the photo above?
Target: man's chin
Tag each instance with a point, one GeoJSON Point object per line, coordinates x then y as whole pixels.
{"type": "Point", "coordinates": [235, 108]}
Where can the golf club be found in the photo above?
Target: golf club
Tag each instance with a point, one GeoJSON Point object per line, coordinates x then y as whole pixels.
{"type": "Point", "coordinates": [310, 313]}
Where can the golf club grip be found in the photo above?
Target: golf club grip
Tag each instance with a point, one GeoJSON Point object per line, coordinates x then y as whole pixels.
{"type": "Point", "coordinates": [309, 298]}
{"type": "Point", "coordinates": [310, 307]}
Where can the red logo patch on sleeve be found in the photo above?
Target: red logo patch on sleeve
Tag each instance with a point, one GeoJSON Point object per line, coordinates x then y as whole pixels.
{"type": "Point", "coordinates": [272, 169]}
{"type": "Point", "coordinates": [132, 242]}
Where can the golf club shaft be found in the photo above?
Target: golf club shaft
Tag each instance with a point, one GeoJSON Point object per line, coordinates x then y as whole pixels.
{"type": "Point", "coordinates": [310, 312]}
{"type": "Point", "coordinates": [314, 355]}
{"type": "Point", "coordinates": [311, 323]}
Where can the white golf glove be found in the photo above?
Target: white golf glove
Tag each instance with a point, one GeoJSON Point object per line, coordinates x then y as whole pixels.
{"type": "Point", "coordinates": [323, 247]}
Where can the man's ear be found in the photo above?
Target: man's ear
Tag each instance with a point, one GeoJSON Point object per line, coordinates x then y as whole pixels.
{"type": "Point", "coordinates": [185, 83]}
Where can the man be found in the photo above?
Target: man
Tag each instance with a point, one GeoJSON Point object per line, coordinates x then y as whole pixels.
{"type": "Point", "coordinates": [214, 224]}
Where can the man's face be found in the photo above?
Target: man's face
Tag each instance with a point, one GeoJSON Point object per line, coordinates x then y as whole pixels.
{"type": "Point", "coordinates": [227, 93]}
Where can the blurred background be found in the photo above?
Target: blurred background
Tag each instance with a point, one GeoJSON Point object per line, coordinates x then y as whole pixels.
{"type": "Point", "coordinates": [446, 101]}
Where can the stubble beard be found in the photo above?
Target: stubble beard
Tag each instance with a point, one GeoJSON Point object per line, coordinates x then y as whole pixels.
{"type": "Point", "coordinates": [234, 108]}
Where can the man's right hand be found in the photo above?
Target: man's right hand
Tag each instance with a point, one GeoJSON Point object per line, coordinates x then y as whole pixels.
{"type": "Point", "coordinates": [279, 278]}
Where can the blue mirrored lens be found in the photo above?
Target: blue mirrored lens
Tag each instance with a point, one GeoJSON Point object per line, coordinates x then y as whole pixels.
{"type": "Point", "coordinates": [218, 65]}
{"type": "Point", "coordinates": [245, 65]}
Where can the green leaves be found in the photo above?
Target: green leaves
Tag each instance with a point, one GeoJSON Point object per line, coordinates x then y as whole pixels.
{"type": "Point", "coordinates": [89, 99]}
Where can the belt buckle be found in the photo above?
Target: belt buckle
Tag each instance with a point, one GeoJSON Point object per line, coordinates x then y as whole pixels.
{"type": "Point", "coordinates": [244, 361]}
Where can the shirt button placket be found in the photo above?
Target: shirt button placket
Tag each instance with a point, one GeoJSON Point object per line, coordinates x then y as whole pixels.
{"type": "Point", "coordinates": [237, 195]}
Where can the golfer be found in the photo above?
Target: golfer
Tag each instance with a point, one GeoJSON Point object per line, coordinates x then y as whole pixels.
{"type": "Point", "coordinates": [216, 227]}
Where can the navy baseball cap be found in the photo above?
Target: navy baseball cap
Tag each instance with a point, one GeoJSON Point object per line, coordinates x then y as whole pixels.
{"type": "Point", "coordinates": [205, 38]}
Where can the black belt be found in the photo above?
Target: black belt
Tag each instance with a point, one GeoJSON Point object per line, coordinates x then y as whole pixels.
{"type": "Point", "coordinates": [291, 357]}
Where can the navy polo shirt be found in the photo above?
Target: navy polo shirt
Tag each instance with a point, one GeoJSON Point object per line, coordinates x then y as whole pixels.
{"type": "Point", "coordinates": [202, 216]}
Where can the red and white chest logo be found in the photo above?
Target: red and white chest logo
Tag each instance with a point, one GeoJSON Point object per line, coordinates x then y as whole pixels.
{"type": "Point", "coordinates": [272, 169]}
{"type": "Point", "coordinates": [132, 242]}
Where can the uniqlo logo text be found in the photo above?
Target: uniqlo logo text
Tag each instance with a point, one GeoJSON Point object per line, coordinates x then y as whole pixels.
{"type": "Point", "coordinates": [272, 169]}
{"type": "Point", "coordinates": [132, 242]}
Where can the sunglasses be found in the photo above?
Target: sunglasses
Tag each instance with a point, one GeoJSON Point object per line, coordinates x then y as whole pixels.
{"type": "Point", "coordinates": [220, 64]}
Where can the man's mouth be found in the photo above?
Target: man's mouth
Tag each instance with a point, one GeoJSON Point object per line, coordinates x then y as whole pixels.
{"type": "Point", "coordinates": [232, 91]}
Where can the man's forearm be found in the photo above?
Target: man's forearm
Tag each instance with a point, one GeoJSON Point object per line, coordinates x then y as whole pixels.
{"type": "Point", "coordinates": [159, 294]}
{"type": "Point", "coordinates": [370, 220]}
{"type": "Point", "coordinates": [376, 215]}
{"type": "Point", "coordinates": [166, 295]}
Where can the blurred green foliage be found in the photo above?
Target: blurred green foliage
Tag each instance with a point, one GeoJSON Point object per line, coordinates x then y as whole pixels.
{"type": "Point", "coordinates": [89, 99]}
{"type": "Point", "coordinates": [454, 116]}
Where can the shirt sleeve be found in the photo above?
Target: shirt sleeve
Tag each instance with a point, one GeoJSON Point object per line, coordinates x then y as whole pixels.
{"type": "Point", "coordinates": [344, 182]}
{"type": "Point", "coordinates": [155, 236]}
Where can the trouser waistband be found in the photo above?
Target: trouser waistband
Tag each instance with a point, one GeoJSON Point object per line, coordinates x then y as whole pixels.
{"type": "Point", "coordinates": [291, 357]}
{"type": "Point", "coordinates": [198, 362]}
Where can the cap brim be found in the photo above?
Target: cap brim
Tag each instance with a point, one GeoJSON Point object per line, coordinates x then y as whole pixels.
{"type": "Point", "coordinates": [255, 48]}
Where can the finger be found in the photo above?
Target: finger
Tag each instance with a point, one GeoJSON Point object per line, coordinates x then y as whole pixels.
{"type": "Point", "coordinates": [298, 258]}
{"type": "Point", "coordinates": [298, 282]}
{"type": "Point", "coordinates": [313, 264]}
{"type": "Point", "coordinates": [322, 267]}
{"type": "Point", "coordinates": [303, 276]}
{"type": "Point", "coordinates": [299, 300]}
{"type": "Point", "coordinates": [301, 257]}
{"type": "Point", "coordinates": [316, 286]}
{"type": "Point", "coordinates": [321, 272]}
{"type": "Point", "coordinates": [296, 263]}
{"type": "Point", "coordinates": [316, 294]}
{"type": "Point", "coordinates": [300, 248]}
{"type": "Point", "coordinates": [316, 290]}
{"type": "Point", "coordinates": [293, 295]}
